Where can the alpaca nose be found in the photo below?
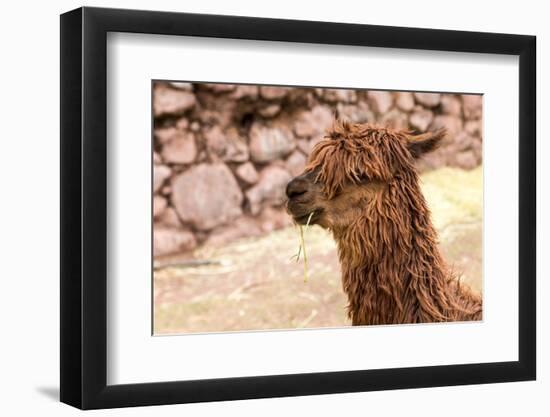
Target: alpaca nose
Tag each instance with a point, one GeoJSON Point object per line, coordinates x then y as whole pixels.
{"type": "Point", "coordinates": [296, 187]}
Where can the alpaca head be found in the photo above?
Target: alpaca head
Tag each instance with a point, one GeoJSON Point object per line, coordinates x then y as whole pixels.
{"type": "Point", "coordinates": [356, 166]}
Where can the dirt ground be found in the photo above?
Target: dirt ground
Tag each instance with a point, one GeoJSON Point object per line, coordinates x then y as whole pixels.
{"type": "Point", "coordinates": [253, 284]}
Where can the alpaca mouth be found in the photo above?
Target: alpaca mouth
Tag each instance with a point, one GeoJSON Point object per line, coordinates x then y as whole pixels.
{"type": "Point", "coordinates": [310, 217]}
{"type": "Point", "coordinates": [304, 219]}
{"type": "Point", "coordinates": [300, 209]}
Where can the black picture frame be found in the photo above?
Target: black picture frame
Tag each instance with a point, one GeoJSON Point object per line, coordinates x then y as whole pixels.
{"type": "Point", "coordinates": [84, 207]}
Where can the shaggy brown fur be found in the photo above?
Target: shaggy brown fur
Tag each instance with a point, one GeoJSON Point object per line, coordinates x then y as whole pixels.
{"type": "Point", "coordinates": [362, 185]}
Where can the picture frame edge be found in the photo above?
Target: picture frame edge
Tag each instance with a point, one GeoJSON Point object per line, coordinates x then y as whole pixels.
{"type": "Point", "coordinates": [83, 200]}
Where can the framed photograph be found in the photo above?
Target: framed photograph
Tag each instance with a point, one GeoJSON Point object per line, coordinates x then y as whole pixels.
{"type": "Point", "coordinates": [259, 208]}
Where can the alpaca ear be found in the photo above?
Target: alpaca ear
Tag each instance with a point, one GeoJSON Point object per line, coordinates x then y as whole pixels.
{"type": "Point", "coordinates": [427, 142]}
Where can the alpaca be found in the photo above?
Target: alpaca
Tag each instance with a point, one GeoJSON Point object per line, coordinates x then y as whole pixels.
{"type": "Point", "coordinates": [361, 184]}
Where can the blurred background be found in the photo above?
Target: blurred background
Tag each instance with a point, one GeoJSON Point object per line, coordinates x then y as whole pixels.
{"type": "Point", "coordinates": [223, 243]}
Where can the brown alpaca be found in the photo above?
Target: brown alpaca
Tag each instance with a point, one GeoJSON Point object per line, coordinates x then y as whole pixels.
{"type": "Point", "coordinates": [361, 184]}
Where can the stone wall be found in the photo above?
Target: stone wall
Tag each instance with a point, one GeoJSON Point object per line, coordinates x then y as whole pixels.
{"type": "Point", "coordinates": [224, 153]}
